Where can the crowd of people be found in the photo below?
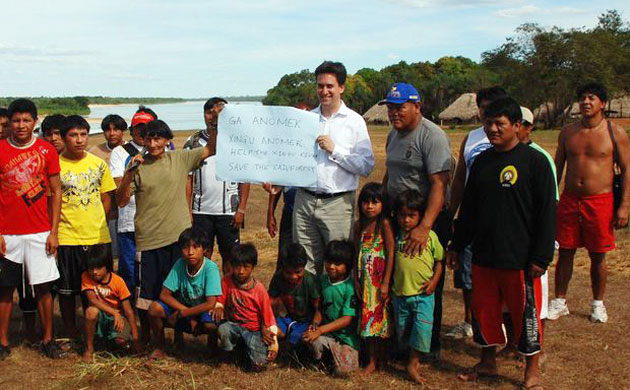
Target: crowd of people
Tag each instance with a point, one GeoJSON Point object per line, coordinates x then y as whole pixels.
{"type": "Point", "coordinates": [350, 276]}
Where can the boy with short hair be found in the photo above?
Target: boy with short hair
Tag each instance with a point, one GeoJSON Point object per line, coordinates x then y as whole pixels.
{"type": "Point", "coordinates": [114, 127]}
{"type": "Point", "coordinates": [337, 332]}
{"type": "Point", "coordinates": [86, 185]}
{"type": "Point", "coordinates": [51, 131]}
{"type": "Point", "coordinates": [295, 296]}
{"type": "Point", "coordinates": [29, 171]}
{"type": "Point", "coordinates": [4, 123]}
{"type": "Point", "coordinates": [246, 307]}
{"type": "Point", "coordinates": [106, 294]}
{"type": "Point", "coordinates": [189, 292]}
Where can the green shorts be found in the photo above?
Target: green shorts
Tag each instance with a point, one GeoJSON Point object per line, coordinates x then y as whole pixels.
{"type": "Point", "coordinates": [105, 328]}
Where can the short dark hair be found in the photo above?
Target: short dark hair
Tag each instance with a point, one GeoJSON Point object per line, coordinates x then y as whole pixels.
{"type": "Point", "coordinates": [411, 199]}
{"type": "Point", "coordinates": [194, 234]}
{"type": "Point", "coordinates": [156, 128]}
{"type": "Point", "coordinates": [490, 94]}
{"type": "Point", "coordinates": [114, 119]}
{"type": "Point", "coordinates": [22, 106]}
{"type": "Point", "coordinates": [335, 68]}
{"type": "Point", "coordinates": [100, 256]}
{"type": "Point", "coordinates": [340, 252]}
{"type": "Point", "coordinates": [596, 89]}
{"type": "Point", "coordinates": [51, 122]}
{"type": "Point", "coordinates": [507, 107]}
{"type": "Point", "coordinates": [211, 102]}
{"type": "Point", "coordinates": [293, 255]}
{"type": "Point", "coordinates": [4, 112]}
{"type": "Point", "coordinates": [74, 122]}
{"type": "Point", "coordinates": [243, 254]}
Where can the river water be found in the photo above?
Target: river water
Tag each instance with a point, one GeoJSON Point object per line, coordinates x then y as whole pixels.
{"type": "Point", "coordinates": [179, 116]}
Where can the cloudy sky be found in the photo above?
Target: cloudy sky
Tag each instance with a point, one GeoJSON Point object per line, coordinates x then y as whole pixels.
{"type": "Point", "coordinates": [200, 48]}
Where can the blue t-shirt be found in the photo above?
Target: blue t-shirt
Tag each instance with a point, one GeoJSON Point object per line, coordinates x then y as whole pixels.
{"type": "Point", "coordinates": [192, 290]}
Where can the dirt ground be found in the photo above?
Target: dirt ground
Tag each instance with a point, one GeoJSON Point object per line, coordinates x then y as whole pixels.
{"type": "Point", "coordinates": [581, 355]}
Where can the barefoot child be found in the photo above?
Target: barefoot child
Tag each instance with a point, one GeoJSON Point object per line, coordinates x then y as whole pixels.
{"type": "Point", "coordinates": [295, 296]}
{"type": "Point", "coordinates": [189, 292]}
{"type": "Point", "coordinates": [106, 294]}
{"type": "Point", "coordinates": [375, 238]}
{"type": "Point", "coordinates": [415, 280]}
{"type": "Point", "coordinates": [337, 333]}
{"type": "Point", "coordinates": [246, 307]}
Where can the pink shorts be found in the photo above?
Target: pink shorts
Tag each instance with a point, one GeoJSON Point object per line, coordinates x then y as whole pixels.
{"type": "Point", "coordinates": [586, 221]}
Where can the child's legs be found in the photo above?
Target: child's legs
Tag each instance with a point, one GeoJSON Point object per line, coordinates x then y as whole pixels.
{"type": "Point", "coordinates": [158, 310]}
{"type": "Point", "coordinates": [345, 357]}
{"type": "Point", "coordinates": [487, 307]}
{"type": "Point", "coordinates": [91, 318]}
{"type": "Point", "coordinates": [422, 322]}
{"type": "Point", "coordinates": [296, 331]}
{"type": "Point", "coordinates": [44, 299]}
{"type": "Point", "coordinates": [321, 344]}
{"type": "Point", "coordinates": [256, 348]}
{"type": "Point", "coordinates": [6, 305]}
{"type": "Point", "coordinates": [71, 260]}
{"type": "Point", "coordinates": [403, 324]}
{"type": "Point", "coordinates": [229, 334]}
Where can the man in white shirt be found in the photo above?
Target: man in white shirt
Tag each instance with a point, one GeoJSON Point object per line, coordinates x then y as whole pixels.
{"type": "Point", "coordinates": [325, 213]}
{"type": "Point", "coordinates": [218, 207]}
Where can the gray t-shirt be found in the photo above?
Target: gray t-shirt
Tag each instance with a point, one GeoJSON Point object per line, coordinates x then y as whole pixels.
{"type": "Point", "coordinates": [413, 156]}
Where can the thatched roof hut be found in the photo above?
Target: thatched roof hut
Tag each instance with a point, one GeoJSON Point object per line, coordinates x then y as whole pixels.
{"type": "Point", "coordinates": [377, 115]}
{"type": "Point", "coordinates": [615, 108]}
{"type": "Point", "coordinates": [463, 109]}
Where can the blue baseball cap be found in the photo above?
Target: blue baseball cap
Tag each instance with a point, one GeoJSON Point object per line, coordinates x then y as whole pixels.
{"type": "Point", "coordinates": [401, 93]}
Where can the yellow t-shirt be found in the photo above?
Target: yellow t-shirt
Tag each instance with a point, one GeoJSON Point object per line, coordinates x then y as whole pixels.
{"type": "Point", "coordinates": [411, 272]}
{"type": "Point", "coordinates": [82, 215]}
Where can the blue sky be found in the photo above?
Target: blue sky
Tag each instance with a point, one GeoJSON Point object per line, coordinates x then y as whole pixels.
{"type": "Point", "coordinates": [197, 48]}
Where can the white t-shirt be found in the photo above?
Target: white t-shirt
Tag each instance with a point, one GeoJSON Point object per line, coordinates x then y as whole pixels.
{"type": "Point", "coordinates": [210, 196]}
{"type": "Point", "coordinates": [476, 143]}
{"type": "Point", "coordinates": [117, 163]}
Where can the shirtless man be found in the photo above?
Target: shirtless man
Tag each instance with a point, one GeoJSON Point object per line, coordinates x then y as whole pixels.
{"type": "Point", "coordinates": [585, 213]}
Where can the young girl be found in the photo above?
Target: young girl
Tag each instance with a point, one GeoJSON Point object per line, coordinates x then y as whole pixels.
{"type": "Point", "coordinates": [375, 241]}
{"type": "Point", "coordinates": [415, 279]}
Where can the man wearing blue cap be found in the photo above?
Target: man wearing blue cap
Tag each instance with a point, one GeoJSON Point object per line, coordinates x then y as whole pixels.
{"type": "Point", "coordinates": [419, 158]}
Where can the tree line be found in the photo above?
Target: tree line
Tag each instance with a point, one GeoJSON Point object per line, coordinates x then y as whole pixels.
{"type": "Point", "coordinates": [537, 66]}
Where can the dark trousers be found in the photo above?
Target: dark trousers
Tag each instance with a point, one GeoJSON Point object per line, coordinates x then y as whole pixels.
{"type": "Point", "coordinates": [442, 228]}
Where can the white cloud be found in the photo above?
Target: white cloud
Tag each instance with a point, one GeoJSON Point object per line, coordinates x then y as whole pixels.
{"type": "Point", "coordinates": [529, 10]}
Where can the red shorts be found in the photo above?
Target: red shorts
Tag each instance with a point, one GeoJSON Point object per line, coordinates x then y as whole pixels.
{"type": "Point", "coordinates": [492, 289]}
{"type": "Point", "coordinates": [586, 221]}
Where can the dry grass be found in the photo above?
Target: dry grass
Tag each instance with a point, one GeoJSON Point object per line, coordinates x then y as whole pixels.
{"type": "Point", "coordinates": [581, 355]}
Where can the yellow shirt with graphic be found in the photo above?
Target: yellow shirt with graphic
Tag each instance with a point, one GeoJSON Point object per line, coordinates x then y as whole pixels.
{"type": "Point", "coordinates": [82, 215]}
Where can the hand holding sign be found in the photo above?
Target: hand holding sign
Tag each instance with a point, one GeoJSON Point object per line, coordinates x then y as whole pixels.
{"type": "Point", "coordinates": [273, 144]}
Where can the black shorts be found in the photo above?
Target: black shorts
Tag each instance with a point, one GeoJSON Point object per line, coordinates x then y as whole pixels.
{"type": "Point", "coordinates": [155, 264]}
{"type": "Point", "coordinates": [72, 261]}
{"type": "Point", "coordinates": [10, 273]}
{"type": "Point", "coordinates": [219, 226]}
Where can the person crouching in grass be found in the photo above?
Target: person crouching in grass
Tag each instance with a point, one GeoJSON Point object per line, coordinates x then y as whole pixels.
{"type": "Point", "coordinates": [338, 332]}
{"type": "Point", "coordinates": [106, 294]}
{"type": "Point", "coordinates": [295, 296]}
{"type": "Point", "coordinates": [246, 306]}
{"type": "Point", "coordinates": [189, 292]}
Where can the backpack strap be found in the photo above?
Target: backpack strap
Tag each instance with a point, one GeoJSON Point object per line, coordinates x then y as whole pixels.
{"type": "Point", "coordinates": [614, 141]}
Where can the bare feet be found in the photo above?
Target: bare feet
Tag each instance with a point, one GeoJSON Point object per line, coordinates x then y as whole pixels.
{"type": "Point", "coordinates": [509, 352]}
{"type": "Point", "coordinates": [87, 355]}
{"type": "Point", "coordinates": [478, 371]}
{"type": "Point", "coordinates": [157, 354]}
{"type": "Point", "coordinates": [370, 368]}
{"type": "Point", "coordinates": [414, 373]}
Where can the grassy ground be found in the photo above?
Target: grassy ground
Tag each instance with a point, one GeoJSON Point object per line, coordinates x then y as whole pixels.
{"type": "Point", "coordinates": [581, 355]}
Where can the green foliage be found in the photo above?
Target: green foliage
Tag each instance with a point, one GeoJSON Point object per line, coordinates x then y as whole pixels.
{"type": "Point", "coordinates": [59, 105]}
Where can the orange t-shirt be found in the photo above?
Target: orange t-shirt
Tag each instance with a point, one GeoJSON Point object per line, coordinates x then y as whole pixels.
{"type": "Point", "coordinates": [111, 293]}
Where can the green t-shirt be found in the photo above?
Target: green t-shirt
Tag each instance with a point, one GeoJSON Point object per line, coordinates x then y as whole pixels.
{"type": "Point", "coordinates": [161, 205]}
{"type": "Point", "coordinates": [551, 162]}
{"type": "Point", "coordinates": [192, 290]}
{"type": "Point", "coordinates": [338, 300]}
{"type": "Point", "coordinates": [298, 300]}
{"type": "Point", "coordinates": [411, 272]}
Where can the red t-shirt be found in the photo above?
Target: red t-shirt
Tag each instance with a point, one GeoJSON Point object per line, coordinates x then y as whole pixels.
{"type": "Point", "coordinates": [249, 308]}
{"type": "Point", "coordinates": [24, 189]}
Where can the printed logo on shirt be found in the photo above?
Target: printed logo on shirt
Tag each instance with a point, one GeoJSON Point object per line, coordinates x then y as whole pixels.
{"type": "Point", "coordinates": [508, 176]}
{"type": "Point", "coordinates": [82, 188]}
{"type": "Point", "coordinates": [24, 175]}
{"type": "Point", "coordinates": [102, 291]}
{"type": "Point", "coordinates": [408, 153]}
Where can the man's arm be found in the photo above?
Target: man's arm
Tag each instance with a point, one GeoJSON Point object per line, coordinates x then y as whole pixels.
{"type": "Point", "coordinates": [359, 159]}
{"type": "Point", "coordinates": [52, 242]}
{"type": "Point", "coordinates": [420, 234]}
{"type": "Point", "coordinates": [459, 180]}
{"type": "Point", "coordinates": [272, 226]}
{"type": "Point", "coordinates": [621, 214]}
{"type": "Point", "coordinates": [560, 157]}
{"type": "Point", "coordinates": [211, 146]}
{"type": "Point", "coordinates": [189, 187]}
{"type": "Point", "coordinates": [206, 306]}
{"type": "Point", "coordinates": [544, 200]}
{"type": "Point", "coordinates": [243, 195]}
{"type": "Point", "coordinates": [123, 193]}
{"type": "Point", "coordinates": [106, 200]}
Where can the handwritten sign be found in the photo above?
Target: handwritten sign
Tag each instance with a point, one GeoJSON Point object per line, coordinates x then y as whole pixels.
{"type": "Point", "coordinates": [274, 144]}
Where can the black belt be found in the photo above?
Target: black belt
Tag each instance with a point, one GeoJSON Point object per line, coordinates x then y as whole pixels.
{"type": "Point", "coordinates": [321, 195]}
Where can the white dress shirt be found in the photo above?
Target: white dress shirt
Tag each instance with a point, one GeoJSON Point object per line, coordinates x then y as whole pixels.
{"type": "Point", "coordinates": [352, 156]}
{"type": "Point", "coordinates": [117, 164]}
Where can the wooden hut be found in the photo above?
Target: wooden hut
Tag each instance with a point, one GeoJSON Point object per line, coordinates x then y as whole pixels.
{"type": "Point", "coordinates": [462, 110]}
